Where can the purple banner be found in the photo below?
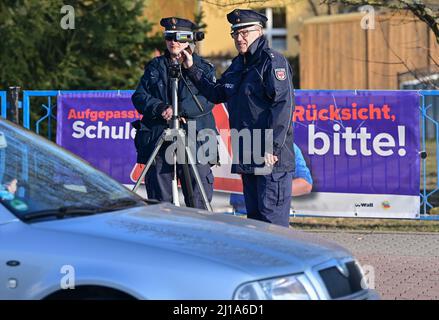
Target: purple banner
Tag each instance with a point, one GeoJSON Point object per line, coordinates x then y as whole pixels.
{"type": "Point", "coordinates": [360, 142]}
{"type": "Point", "coordinates": [364, 142]}
{"type": "Point", "coordinates": [96, 127]}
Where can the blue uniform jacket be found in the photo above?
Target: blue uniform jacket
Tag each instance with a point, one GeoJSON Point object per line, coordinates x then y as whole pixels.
{"type": "Point", "coordinates": [258, 90]}
{"type": "Point", "coordinates": [153, 95]}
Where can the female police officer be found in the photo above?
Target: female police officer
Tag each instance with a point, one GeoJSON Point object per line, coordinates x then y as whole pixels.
{"type": "Point", "coordinates": [152, 99]}
{"type": "Point", "coordinates": [258, 90]}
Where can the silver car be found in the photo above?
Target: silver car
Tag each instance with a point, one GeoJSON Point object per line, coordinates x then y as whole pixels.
{"type": "Point", "coordinates": [68, 231]}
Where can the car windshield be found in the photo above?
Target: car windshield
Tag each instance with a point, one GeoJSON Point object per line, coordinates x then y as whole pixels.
{"type": "Point", "coordinates": [40, 179]}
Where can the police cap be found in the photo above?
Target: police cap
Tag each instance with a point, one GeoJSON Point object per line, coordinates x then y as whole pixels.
{"type": "Point", "coordinates": [241, 18]}
{"type": "Point", "coordinates": [177, 24]}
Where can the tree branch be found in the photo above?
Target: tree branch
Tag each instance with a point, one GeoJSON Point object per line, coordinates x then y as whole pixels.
{"type": "Point", "coordinates": [425, 13]}
{"type": "Point", "coordinates": [313, 7]}
{"type": "Point", "coordinates": [412, 72]}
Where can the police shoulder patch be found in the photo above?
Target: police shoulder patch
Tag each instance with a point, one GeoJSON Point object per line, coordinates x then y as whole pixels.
{"type": "Point", "coordinates": [280, 73]}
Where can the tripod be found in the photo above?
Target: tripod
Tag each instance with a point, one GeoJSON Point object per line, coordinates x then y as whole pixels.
{"type": "Point", "coordinates": [177, 135]}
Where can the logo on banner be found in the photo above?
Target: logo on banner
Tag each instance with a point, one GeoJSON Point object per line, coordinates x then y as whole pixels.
{"type": "Point", "coordinates": [386, 205]}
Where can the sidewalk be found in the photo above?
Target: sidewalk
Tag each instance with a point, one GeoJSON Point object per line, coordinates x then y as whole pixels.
{"type": "Point", "coordinates": [406, 265]}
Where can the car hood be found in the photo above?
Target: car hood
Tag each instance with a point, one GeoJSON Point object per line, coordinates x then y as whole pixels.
{"type": "Point", "coordinates": [237, 242]}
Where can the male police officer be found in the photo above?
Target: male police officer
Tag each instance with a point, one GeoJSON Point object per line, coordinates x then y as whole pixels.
{"type": "Point", "coordinates": [258, 90]}
{"type": "Point", "coordinates": [152, 99]}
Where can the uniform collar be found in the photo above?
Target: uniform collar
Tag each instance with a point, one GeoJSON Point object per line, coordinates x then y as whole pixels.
{"type": "Point", "coordinates": [168, 57]}
{"type": "Point", "coordinates": [254, 46]}
{"type": "Point", "coordinates": [254, 51]}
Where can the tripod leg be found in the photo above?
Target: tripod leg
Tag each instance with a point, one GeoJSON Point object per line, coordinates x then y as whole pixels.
{"type": "Point", "coordinates": [188, 184]}
{"type": "Point", "coordinates": [149, 162]}
{"type": "Point", "coordinates": [186, 181]}
{"type": "Point", "coordinates": [198, 179]}
{"type": "Point", "coordinates": [175, 198]}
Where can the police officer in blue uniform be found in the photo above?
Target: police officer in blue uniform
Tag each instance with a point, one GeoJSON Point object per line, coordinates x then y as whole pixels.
{"type": "Point", "coordinates": [152, 99]}
{"type": "Point", "coordinates": [257, 88]}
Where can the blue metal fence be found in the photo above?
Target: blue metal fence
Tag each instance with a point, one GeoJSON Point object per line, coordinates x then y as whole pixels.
{"type": "Point", "coordinates": [428, 99]}
{"type": "Point", "coordinates": [50, 106]}
{"type": "Point", "coordinates": [429, 127]}
{"type": "Point", "coordinates": [3, 103]}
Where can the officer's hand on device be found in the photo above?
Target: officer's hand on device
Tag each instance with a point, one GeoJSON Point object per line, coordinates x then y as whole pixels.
{"type": "Point", "coordinates": [167, 114]}
{"type": "Point", "coordinates": [270, 159]}
{"type": "Point", "coordinates": [188, 60]}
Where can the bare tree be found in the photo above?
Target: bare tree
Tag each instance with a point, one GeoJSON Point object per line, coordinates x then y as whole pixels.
{"type": "Point", "coordinates": [426, 11]}
{"type": "Point", "coordinates": [313, 7]}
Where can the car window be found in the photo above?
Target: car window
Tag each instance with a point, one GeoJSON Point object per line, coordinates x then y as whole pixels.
{"type": "Point", "coordinates": [36, 175]}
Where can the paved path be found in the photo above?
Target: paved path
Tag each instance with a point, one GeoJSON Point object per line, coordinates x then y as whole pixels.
{"type": "Point", "coordinates": [406, 265]}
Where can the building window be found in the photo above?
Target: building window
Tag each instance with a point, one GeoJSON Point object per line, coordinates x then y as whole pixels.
{"type": "Point", "coordinates": [276, 28]}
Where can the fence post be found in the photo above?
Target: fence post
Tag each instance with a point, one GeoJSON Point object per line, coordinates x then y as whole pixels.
{"type": "Point", "coordinates": [14, 93]}
{"type": "Point", "coordinates": [3, 104]}
{"type": "Point", "coordinates": [26, 110]}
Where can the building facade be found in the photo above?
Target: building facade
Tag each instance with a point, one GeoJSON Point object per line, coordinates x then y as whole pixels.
{"type": "Point", "coordinates": [335, 50]}
{"type": "Point", "coordinates": [285, 19]}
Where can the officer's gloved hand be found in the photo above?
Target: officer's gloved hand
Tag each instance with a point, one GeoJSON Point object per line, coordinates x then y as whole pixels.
{"type": "Point", "coordinates": [167, 113]}
{"type": "Point", "coordinates": [188, 61]}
